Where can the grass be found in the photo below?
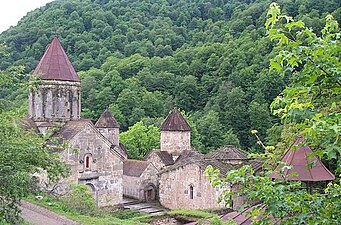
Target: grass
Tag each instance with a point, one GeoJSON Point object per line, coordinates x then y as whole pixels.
{"type": "Point", "coordinates": [109, 216]}
{"type": "Point", "coordinates": [119, 217]}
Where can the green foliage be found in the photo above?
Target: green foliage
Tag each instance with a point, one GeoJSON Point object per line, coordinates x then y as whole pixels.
{"type": "Point", "coordinates": [202, 217]}
{"type": "Point", "coordinates": [312, 100]}
{"type": "Point", "coordinates": [143, 57]}
{"type": "Point", "coordinates": [139, 139]}
{"type": "Point", "coordinates": [309, 105]}
{"type": "Point", "coordinates": [105, 216]}
{"type": "Point", "coordinates": [21, 154]}
{"type": "Point", "coordinates": [81, 200]}
{"type": "Point", "coordinates": [282, 199]}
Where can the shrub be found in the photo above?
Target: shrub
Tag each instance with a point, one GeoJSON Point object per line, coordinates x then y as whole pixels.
{"type": "Point", "coordinates": [80, 200]}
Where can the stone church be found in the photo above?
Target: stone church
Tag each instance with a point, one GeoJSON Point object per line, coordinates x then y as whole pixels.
{"type": "Point", "coordinates": [173, 175]}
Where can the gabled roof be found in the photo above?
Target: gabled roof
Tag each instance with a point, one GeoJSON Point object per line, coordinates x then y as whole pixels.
{"type": "Point", "coordinates": [70, 129]}
{"type": "Point", "coordinates": [175, 122]}
{"type": "Point", "coordinates": [134, 168]}
{"type": "Point", "coordinates": [55, 65]}
{"type": "Point", "coordinates": [228, 152]}
{"type": "Point", "coordinates": [299, 160]}
{"type": "Point", "coordinates": [107, 120]}
{"type": "Point", "coordinates": [73, 127]}
{"type": "Point", "coordinates": [165, 157]}
{"type": "Point", "coordinates": [223, 164]}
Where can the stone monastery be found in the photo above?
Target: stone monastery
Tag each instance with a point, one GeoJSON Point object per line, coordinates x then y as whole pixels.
{"type": "Point", "coordinates": [173, 175]}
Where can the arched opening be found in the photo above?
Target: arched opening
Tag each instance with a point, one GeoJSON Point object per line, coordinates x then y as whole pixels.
{"type": "Point", "coordinates": [87, 162]}
{"type": "Point", "coordinates": [150, 193]}
{"type": "Point", "coordinates": [93, 191]}
{"type": "Point", "coordinates": [191, 192]}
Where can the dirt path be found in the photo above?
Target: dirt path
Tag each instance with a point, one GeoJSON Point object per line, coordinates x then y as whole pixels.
{"type": "Point", "coordinates": [37, 215]}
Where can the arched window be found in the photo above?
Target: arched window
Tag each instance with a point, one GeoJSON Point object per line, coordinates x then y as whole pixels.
{"type": "Point", "coordinates": [191, 192]}
{"type": "Point", "coordinates": [87, 162]}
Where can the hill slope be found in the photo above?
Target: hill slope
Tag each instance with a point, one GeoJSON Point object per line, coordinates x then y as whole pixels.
{"type": "Point", "coordinates": [141, 57]}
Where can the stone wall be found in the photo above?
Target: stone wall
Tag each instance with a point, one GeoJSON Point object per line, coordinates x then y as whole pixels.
{"type": "Point", "coordinates": [175, 191]}
{"type": "Point", "coordinates": [175, 141]}
{"type": "Point", "coordinates": [135, 186]}
{"type": "Point", "coordinates": [112, 134]}
{"type": "Point", "coordinates": [55, 101]}
{"type": "Point", "coordinates": [106, 168]}
{"type": "Point", "coordinates": [156, 161]}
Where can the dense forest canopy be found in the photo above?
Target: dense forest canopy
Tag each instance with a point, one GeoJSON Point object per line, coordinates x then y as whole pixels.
{"type": "Point", "coordinates": [140, 58]}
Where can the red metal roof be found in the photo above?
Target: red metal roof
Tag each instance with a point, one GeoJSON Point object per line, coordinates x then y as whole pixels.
{"type": "Point", "coordinates": [299, 160]}
{"type": "Point", "coordinates": [55, 65]}
{"type": "Point", "coordinates": [175, 122]}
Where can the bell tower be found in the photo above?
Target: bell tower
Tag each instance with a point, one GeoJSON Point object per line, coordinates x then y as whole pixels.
{"type": "Point", "coordinates": [55, 95]}
{"type": "Point", "coordinates": [175, 134]}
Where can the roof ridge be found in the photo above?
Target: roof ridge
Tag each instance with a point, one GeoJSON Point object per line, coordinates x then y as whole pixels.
{"type": "Point", "coordinates": [175, 122]}
{"type": "Point", "coordinates": [55, 64]}
{"type": "Point", "coordinates": [107, 120]}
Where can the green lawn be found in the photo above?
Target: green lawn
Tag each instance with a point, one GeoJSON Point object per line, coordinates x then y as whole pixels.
{"type": "Point", "coordinates": [126, 217]}
{"type": "Point", "coordinates": [120, 217]}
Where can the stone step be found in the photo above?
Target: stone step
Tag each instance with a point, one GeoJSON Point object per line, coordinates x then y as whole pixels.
{"type": "Point", "coordinates": [157, 213]}
{"type": "Point", "coordinates": [138, 206]}
{"type": "Point", "coordinates": [151, 210]}
{"type": "Point", "coordinates": [147, 208]}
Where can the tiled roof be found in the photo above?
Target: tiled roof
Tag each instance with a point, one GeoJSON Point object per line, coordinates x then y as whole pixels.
{"type": "Point", "coordinates": [175, 122]}
{"type": "Point", "coordinates": [55, 65]}
{"type": "Point", "coordinates": [70, 129]}
{"type": "Point", "coordinates": [165, 157]}
{"type": "Point", "coordinates": [134, 168]}
{"type": "Point", "coordinates": [224, 165]}
{"type": "Point", "coordinates": [73, 127]}
{"type": "Point", "coordinates": [228, 152]}
{"type": "Point", "coordinates": [299, 159]}
{"type": "Point", "coordinates": [107, 120]}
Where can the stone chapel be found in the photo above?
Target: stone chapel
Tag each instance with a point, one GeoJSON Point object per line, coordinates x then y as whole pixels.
{"type": "Point", "coordinates": [173, 175]}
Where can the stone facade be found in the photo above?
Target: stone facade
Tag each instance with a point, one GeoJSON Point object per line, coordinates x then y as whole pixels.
{"type": "Point", "coordinates": [142, 187]}
{"type": "Point", "coordinates": [187, 188]}
{"type": "Point", "coordinates": [175, 141]}
{"type": "Point", "coordinates": [94, 163]}
{"type": "Point", "coordinates": [112, 134]}
{"type": "Point", "coordinates": [160, 159]}
{"type": "Point", "coordinates": [156, 161]}
{"type": "Point", "coordinates": [55, 100]}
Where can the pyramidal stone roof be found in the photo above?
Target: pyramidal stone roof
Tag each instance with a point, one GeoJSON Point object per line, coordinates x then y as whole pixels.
{"type": "Point", "coordinates": [299, 159]}
{"type": "Point", "coordinates": [55, 65]}
{"type": "Point", "coordinates": [107, 120]}
{"type": "Point", "coordinates": [175, 122]}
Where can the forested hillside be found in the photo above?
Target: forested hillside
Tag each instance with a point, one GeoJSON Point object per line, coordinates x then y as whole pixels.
{"type": "Point", "coordinates": [140, 58]}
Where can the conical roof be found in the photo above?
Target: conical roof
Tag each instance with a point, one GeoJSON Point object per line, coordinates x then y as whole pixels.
{"type": "Point", "coordinates": [175, 122]}
{"type": "Point", "coordinates": [299, 160]}
{"type": "Point", "coordinates": [107, 120]}
{"type": "Point", "coordinates": [55, 65]}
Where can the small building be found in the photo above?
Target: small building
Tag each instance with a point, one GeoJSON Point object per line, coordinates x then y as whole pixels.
{"type": "Point", "coordinates": [184, 184]}
{"type": "Point", "coordinates": [140, 180]}
{"type": "Point", "coordinates": [306, 166]}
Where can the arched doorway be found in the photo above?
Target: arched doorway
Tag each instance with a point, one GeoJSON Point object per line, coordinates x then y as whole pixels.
{"type": "Point", "coordinates": [92, 189]}
{"type": "Point", "coordinates": [150, 192]}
